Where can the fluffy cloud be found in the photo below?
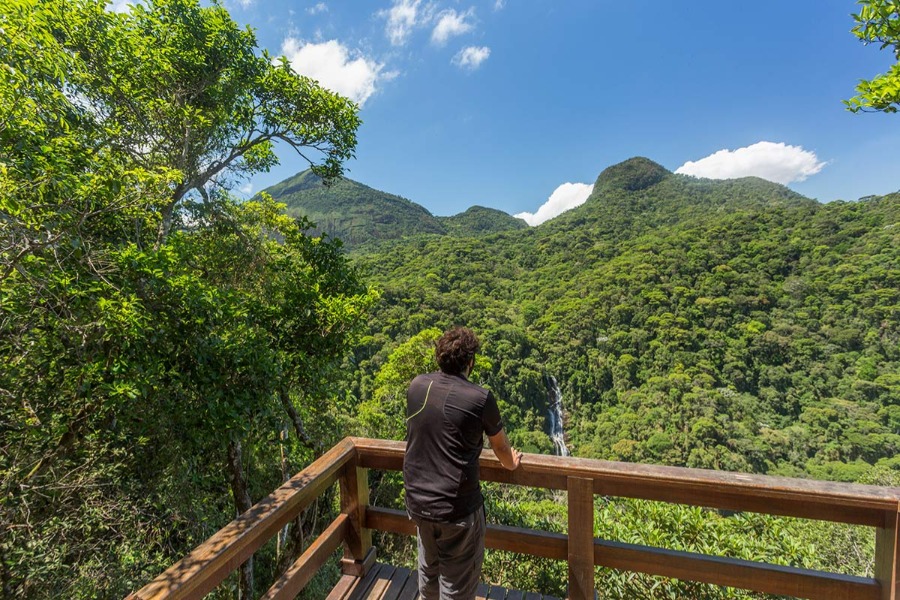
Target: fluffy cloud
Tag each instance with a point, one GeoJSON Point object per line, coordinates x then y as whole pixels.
{"type": "Point", "coordinates": [402, 18]}
{"type": "Point", "coordinates": [471, 57]}
{"type": "Point", "coordinates": [563, 198]}
{"type": "Point", "coordinates": [449, 24]}
{"type": "Point", "coordinates": [499, 4]}
{"type": "Point", "coordinates": [335, 67]}
{"type": "Point", "coordinates": [120, 6]}
{"type": "Point", "coordinates": [775, 162]}
{"type": "Point", "coordinates": [318, 8]}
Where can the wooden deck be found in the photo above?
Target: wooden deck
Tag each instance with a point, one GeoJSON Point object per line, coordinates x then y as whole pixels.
{"type": "Point", "coordinates": [385, 582]}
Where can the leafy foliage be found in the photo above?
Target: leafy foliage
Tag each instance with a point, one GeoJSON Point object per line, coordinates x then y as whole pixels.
{"type": "Point", "coordinates": [180, 85]}
{"type": "Point", "coordinates": [758, 322]}
{"type": "Point", "coordinates": [157, 333]}
{"type": "Point", "coordinates": [139, 368]}
{"type": "Point", "coordinates": [878, 21]}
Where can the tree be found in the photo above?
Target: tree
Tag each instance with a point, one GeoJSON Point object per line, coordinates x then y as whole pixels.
{"type": "Point", "coordinates": [878, 21]}
{"type": "Point", "coordinates": [384, 415]}
{"type": "Point", "coordinates": [180, 85]}
{"type": "Point", "coordinates": [155, 333]}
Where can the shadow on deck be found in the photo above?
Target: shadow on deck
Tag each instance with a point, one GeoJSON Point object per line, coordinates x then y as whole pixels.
{"type": "Point", "coordinates": [385, 582]}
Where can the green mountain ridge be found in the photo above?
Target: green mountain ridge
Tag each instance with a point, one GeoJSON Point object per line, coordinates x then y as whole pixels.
{"type": "Point", "coordinates": [480, 220]}
{"type": "Point", "coordinates": [634, 196]}
{"type": "Point", "coordinates": [623, 201]}
{"type": "Point", "coordinates": [361, 215]}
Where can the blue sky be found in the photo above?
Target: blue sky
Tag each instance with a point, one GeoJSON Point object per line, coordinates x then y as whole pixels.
{"type": "Point", "coordinates": [502, 103]}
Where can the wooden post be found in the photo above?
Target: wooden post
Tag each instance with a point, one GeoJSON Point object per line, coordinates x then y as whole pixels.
{"type": "Point", "coordinates": [581, 538]}
{"type": "Point", "coordinates": [359, 554]}
{"type": "Point", "coordinates": [887, 556]}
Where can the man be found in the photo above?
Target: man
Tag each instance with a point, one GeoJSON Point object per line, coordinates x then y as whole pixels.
{"type": "Point", "coordinates": [446, 418]}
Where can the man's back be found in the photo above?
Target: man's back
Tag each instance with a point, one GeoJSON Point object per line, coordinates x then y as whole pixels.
{"type": "Point", "coordinates": [446, 419]}
{"type": "Point", "coordinates": [447, 416]}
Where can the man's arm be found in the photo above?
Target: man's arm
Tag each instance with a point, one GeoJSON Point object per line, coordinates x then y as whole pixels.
{"type": "Point", "coordinates": [508, 457]}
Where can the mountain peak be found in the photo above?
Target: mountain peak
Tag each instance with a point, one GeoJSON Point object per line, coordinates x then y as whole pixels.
{"type": "Point", "coordinates": [359, 215]}
{"type": "Point", "coordinates": [632, 175]}
{"type": "Point", "coordinates": [478, 220]}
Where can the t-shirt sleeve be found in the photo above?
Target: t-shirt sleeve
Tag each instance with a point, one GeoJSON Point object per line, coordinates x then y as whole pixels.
{"type": "Point", "coordinates": [491, 416]}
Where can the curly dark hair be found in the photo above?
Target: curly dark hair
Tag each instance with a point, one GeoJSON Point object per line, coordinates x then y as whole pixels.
{"type": "Point", "coordinates": [455, 349]}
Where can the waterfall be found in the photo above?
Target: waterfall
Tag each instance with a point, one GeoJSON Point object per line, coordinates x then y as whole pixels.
{"type": "Point", "coordinates": [554, 411]}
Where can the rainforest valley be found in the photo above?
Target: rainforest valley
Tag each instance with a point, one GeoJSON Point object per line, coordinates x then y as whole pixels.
{"type": "Point", "coordinates": [717, 324]}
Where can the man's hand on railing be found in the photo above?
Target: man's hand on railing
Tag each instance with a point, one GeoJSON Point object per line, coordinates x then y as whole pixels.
{"type": "Point", "coordinates": [508, 457]}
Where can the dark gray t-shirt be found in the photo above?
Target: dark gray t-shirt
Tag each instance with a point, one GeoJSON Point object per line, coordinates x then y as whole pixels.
{"type": "Point", "coordinates": [443, 443]}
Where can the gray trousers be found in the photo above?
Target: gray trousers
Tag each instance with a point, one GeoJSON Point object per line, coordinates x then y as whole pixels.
{"type": "Point", "coordinates": [450, 557]}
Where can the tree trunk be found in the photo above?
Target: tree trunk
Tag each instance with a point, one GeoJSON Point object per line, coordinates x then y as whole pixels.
{"type": "Point", "coordinates": [297, 422]}
{"type": "Point", "coordinates": [165, 224]}
{"type": "Point", "coordinates": [242, 503]}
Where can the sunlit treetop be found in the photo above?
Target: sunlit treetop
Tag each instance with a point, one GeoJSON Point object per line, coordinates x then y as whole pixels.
{"type": "Point", "coordinates": [878, 21]}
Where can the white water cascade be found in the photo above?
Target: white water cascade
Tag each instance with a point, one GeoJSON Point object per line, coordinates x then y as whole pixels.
{"type": "Point", "coordinates": [554, 412]}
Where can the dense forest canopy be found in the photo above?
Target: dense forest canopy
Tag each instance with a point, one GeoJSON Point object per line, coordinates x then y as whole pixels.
{"type": "Point", "coordinates": [172, 354]}
{"type": "Point", "coordinates": [762, 324]}
{"type": "Point", "coordinates": [878, 22]}
{"type": "Point", "coordinates": [728, 325]}
{"type": "Point", "coordinates": [165, 348]}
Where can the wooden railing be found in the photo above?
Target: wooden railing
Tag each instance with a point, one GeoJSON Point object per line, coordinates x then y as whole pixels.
{"type": "Point", "coordinates": [348, 462]}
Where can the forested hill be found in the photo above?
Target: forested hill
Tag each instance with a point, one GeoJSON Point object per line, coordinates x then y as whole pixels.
{"type": "Point", "coordinates": [639, 194]}
{"type": "Point", "coordinates": [720, 324]}
{"type": "Point", "coordinates": [360, 215]}
{"type": "Point", "coordinates": [479, 220]}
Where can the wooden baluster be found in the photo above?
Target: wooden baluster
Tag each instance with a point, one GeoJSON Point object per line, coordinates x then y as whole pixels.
{"type": "Point", "coordinates": [887, 556]}
{"type": "Point", "coordinates": [359, 554]}
{"type": "Point", "coordinates": [581, 538]}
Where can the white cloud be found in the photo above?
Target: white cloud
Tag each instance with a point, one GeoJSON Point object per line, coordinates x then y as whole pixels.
{"type": "Point", "coordinates": [120, 6]}
{"type": "Point", "coordinates": [563, 198]}
{"type": "Point", "coordinates": [471, 57]}
{"type": "Point", "coordinates": [499, 4]}
{"type": "Point", "coordinates": [318, 8]}
{"type": "Point", "coordinates": [402, 18]}
{"type": "Point", "coordinates": [449, 24]}
{"type": "Point", "coordinates": [335, 67]}
{"type": "Point", "coordinates": [775, 162]}
{"type": "Point", "coordinates": [246, 189]}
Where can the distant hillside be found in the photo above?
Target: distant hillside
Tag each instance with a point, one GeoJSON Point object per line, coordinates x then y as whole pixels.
{"type": "Point", "coordinates": [481, 220]}
{"type": "Point", "coordinates": [352, 211]}
{"type": "Point", "coordinates": [360, 215]}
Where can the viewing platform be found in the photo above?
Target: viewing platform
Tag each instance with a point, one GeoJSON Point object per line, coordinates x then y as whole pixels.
{"type": "Point", "coordinates": [582, 479]}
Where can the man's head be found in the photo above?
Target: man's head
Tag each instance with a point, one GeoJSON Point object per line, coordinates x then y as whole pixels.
{"type": "Point", "coordinates": [455, 350]}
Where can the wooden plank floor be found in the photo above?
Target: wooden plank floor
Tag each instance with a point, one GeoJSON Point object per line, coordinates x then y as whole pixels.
{"type": "Point", "coordinates": [385, 582]}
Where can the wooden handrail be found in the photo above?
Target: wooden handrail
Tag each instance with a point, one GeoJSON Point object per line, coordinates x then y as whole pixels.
{"type": "Point", "coordinates": [878, 507]}
{"type": "Point", "coordinates": [763, 577]}
{"type": "Point", "coordinates": [295, 578]}
{"type": "Point", "coordinates": [210, 563]}
{"type": "Point", "coordinates": [874, 506]}
{"type": "Point", "coordinates": [804, 498]}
